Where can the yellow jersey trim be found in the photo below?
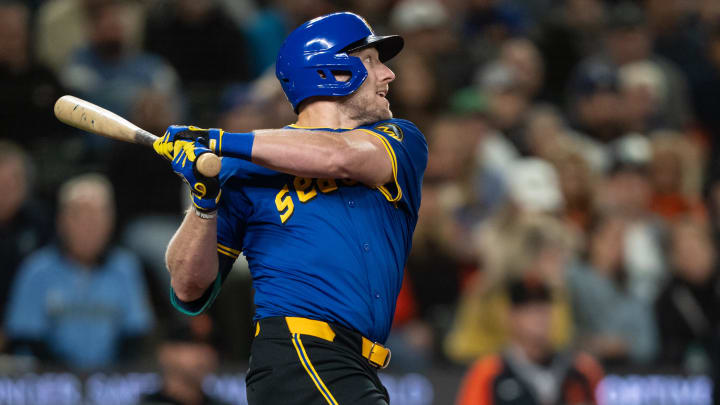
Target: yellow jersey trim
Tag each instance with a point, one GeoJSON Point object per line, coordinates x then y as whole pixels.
{"type": "Point", "coordinates": [228, 251]}
{"type": "Point", "coordinates": [393, 159]}
{"type": "Point", "coordinates": [310, 369]}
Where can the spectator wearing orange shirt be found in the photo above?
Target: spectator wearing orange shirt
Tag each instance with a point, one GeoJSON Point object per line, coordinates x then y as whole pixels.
{"type": "Point", "coordinates": [528, 371]}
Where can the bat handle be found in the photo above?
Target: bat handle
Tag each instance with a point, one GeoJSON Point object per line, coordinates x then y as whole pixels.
{"type": "Point", "coordinates": [209, 164]}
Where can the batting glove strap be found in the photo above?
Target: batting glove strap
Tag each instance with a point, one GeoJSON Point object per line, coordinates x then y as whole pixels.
{"type": "Point", "coordinates": [233, 144]}
{"type": "Point", "coordinates": [206, 206]}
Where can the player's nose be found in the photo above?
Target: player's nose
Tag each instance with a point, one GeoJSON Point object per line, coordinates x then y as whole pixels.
{"type": "Point", "coordinates": [386, 74]}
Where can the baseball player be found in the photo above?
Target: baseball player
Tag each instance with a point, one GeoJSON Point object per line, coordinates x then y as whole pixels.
{"type": "Point", "coordinates": [323, 210]}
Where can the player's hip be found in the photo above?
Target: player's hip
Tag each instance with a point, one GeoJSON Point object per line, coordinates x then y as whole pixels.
{"type": "Point", "coordinates": [297, 360]}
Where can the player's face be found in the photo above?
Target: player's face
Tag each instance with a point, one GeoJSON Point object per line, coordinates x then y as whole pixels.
{"type": "Point", "coordinates": [369, 103]}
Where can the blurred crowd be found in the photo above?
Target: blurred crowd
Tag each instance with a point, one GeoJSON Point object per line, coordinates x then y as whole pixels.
{"type": "Point", "coordinates": [573, 165]}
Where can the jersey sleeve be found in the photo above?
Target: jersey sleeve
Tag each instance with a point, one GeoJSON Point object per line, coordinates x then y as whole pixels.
{"type": "Point", "coordinates": [231, 223]}
{"type": "Point", "coordinates": [407, 148]}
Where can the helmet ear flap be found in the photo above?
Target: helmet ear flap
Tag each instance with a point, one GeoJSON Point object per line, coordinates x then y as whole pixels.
{"type": "Point", "coordinates": [326, 75]}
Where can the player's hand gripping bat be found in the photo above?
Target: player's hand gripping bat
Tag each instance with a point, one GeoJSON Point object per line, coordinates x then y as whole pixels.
{"type": "Point", "coordinates": [89, 117]}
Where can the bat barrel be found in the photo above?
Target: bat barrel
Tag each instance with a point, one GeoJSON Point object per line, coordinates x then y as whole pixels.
{"type": "Point", "coordinates": [89, 117]}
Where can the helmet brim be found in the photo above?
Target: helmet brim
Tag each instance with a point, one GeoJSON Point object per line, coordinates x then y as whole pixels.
{"type": "Point", "coordinates": [387, 46]}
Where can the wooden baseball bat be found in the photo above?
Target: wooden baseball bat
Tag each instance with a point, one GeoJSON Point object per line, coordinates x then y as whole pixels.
{"type": "Point", "coordinates": [89, 117]}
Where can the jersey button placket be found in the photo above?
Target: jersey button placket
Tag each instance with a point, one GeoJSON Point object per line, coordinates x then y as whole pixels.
{"type": "Point", "coordinates": [366, 247]}
{"type": "Point", "coordinates": [351, 203]}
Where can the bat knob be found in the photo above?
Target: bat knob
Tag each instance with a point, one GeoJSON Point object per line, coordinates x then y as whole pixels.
{"type": "Point", "coordinates": [209, 164]}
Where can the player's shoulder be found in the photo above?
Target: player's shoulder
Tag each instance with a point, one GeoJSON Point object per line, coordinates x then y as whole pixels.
{"type": "Point", "coordinates": [396, 128]}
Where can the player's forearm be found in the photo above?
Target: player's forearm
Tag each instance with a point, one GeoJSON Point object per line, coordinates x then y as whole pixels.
{"type": "Point", "coordinates": [192, 257]}
{"type": "Point", "coordinates": [315, 154]}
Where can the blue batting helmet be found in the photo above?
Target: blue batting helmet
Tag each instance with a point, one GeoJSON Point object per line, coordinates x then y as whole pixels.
{"type": "Point", "coordinates": [315, 51]}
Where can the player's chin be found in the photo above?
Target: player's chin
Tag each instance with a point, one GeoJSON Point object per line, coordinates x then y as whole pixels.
{"type": "Point", "coordinates": [384, 113]}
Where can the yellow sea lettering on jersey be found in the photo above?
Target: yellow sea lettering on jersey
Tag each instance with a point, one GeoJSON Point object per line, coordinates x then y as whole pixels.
{"type": "Point", "coordinates": [284, 202]}
{"type": "Point", "coordinates": [327, 185]}
{"type": "Point", "coordinates": [302, 184]}
{"type": "Point", "coordinates": [306, 191]}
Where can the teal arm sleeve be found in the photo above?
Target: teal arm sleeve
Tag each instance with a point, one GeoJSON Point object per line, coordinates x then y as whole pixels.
{"type": "Point", "coordinates": [200, 305]}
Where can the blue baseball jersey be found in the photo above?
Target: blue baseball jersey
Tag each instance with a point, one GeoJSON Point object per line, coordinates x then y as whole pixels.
{"type": "Point", "coordinates": [325, 249]}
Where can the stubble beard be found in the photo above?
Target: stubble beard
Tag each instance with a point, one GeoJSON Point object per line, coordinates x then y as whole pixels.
{"type": "Point", "coordinates": [364, 109]}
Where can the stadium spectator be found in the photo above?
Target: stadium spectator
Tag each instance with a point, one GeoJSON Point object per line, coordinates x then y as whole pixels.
{"type": "Point", "coordinates": [676, 174]}
{"type": "Point", "coordinates": [611, 322]}
{"type": "Point", "coordinates": [570, 33]}
{"type": "Point", "coordinates": [577, 183]}
{"type": "Point", "coordinates": [466, 192]}
{"type": "Point", "coordinates": [594, 101]}
{"type": "Point", "coordinates": [529, 370]}
{"type": "Point", "coordinates": [63, 26]}
{"type": "Point", "coordinates": [29, 90]}
{"type": "Point", "coordinates": [644, 92]}
{"type": "Point", "coordinates": [80, 302]}
{"type": "Point", "coordinates": [425, 26]}
{"type": "Point", "coordinates": [539, 248]}
{"type": "Point", "coordinates": [185, 360]}
{"type": "Point", "coordinates": [201, 28]}
{"type": "Point", "coordinates": [687, 309]}
{"type": "Point", "coordinates": [430, 40]}
{"type": "Point", "coordinates": [266, 29]}
{"type": "Point", "coordinates": [705, 82]}
{"type": "Point", "coordinates": [487, 23]}
{"type": "Point", "coordinates": [628, 190]}
{"type": "Point", "coordinates": [508, 102]}
{"type": "Point", "coordinates": [546, 134]}
{"type": "Point", "coordinates": [525, 59]}
{"type": "Point", "coordinates": [107, 71]}
{"type": "Point", "coordinates": [531, 188]}
{"type": "Point", "coordinates": [24, 223]}
{"type": "Point", "coordinates": [628, 40]}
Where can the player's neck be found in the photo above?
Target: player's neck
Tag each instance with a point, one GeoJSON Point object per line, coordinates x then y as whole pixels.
{"type": "Point", "coordinates": [324, 114]}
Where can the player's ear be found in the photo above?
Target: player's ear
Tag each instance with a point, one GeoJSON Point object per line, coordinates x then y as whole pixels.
{"type": "Point", "coordinates": [342, 75]}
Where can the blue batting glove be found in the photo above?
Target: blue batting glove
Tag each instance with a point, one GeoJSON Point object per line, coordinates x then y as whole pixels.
{"type": "Point", "coordinates": [205, 191]}
{"type": "Point", "coordinates": [165, 145]}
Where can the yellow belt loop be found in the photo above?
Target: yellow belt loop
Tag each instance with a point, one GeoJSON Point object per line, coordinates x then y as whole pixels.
{"type": "Point", "coordinates": [304, 326]}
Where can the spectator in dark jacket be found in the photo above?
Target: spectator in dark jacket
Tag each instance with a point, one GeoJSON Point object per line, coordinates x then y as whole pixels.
{"type": "Point", "coordinates": [687, 310]}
